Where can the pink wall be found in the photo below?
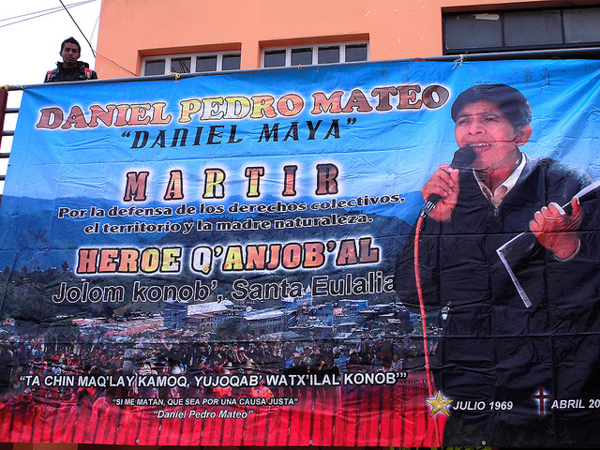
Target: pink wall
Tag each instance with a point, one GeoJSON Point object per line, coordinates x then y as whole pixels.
{"type": "Point", "coordinates": [130, 29]}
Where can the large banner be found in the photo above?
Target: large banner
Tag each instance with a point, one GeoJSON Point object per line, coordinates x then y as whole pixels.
{"type": "Point", "coordinates": [248, 258]}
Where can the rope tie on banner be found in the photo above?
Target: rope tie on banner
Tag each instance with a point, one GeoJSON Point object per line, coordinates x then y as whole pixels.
{"type": "Point", "coordinates": [12, 87]}
{"type": "Point", "coordinates": [424, 321]}
{"type": "Point", "coordinates": [459, 61]}
{"type": "Point", "coordinates": [176, 74]}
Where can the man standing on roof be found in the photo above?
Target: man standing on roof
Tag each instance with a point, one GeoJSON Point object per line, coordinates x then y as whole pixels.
{"type": "Point", "coordinates": [71, 69]}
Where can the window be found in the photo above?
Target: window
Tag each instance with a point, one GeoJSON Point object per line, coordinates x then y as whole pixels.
{"type": "Point", "coordinates": [521, 30]}
{"type": "Point", "coordinates": [328, 55]}
{"type": "Point", "coordinates": [206, 63]}
{"type": "Point", "coordinates": [181, 65]}
{"type": "Point", "coordinates": [231, 62]}
{"type": "Point", "coordinates": [155, 67]}
{"type": "Point", "coordinates": [201, 62]}
{"type": "Point", "coordinates": [301, 56]}
{"type": "Point", "coordinates": [307, 55]}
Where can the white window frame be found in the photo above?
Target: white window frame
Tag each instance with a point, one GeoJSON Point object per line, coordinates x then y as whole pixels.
{"type": "Point", "coordinates": [315, 53]}
{"type": "Point", "coordinates": [193, 60]}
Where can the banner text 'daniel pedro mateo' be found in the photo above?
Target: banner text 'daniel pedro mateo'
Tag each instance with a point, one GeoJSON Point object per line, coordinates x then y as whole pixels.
{"type": "Point", "coordinates": [292, 258]}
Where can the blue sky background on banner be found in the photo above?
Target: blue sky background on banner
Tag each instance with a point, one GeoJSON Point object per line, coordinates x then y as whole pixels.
{"type": "Point", "coordinates": [383, 152]}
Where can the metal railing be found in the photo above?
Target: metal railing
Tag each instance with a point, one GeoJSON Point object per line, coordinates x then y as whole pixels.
{"type": "Point", "coordinates": [3, 112]}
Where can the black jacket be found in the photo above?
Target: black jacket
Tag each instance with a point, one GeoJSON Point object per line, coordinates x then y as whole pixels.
{"type": "Point", "coordinates": [494, 349]}
{"type": "Point", "coordinates": [81, 73]}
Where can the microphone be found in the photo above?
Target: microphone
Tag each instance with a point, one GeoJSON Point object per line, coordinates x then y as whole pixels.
{"type": "Point", "coordinates": [463, 158]}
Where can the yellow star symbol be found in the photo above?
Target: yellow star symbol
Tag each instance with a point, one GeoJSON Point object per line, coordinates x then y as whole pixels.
{"type": "Point", "coordinates": [439, 404]}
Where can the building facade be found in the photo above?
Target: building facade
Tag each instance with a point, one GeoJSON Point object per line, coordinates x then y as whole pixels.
{"type": "Point", "coordinates": [153, 37]}
{"type": "Point", "coordinates": [157, 37]}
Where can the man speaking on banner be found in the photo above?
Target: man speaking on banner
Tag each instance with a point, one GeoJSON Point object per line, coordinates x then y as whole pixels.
{"type": "Point", "coordinates": [507, 365]}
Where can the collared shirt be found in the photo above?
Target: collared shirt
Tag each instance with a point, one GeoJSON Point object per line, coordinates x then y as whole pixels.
{"type": "Point", "coordinates": [500, 192]}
